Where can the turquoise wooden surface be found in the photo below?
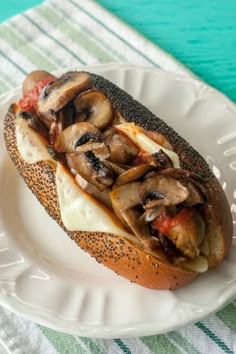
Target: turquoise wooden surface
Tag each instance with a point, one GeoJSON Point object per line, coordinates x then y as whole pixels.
{"type": "Point", "coordinates": [201, 34]}
{"type": "Point", "coordinates": [10, 8]}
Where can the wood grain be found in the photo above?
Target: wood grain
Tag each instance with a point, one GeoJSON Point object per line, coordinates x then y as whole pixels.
{"type": "Point", "coordinates": [201, 34]}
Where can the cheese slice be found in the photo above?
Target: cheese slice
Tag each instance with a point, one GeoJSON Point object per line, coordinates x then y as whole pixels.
{"type": "Point", "coordinates": [198, 264]}
{"type": "Point", "coordinates": [80, 211]}
{"type": "Point", "coordinates": [146, 144]}
{"type": "Point", "coordinates": [31, 146]}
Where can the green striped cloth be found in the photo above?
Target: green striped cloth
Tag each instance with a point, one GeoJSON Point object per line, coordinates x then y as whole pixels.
{"type": "Point", "coordinates": [63, 33]}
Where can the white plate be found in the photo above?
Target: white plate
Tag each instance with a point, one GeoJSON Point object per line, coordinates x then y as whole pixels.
{"type": "Point", "coordinates": [47, 278]}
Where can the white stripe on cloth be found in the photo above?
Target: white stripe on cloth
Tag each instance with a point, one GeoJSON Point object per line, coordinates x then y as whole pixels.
{"type": "Point", "coordinates": [5, 77]}
{"type": "Point", "coordinates": [136, 346]}
{"type": "Point", "coordinates": [46, 40]}
{"type": "Point", "coordinates": [85, 27]}
{"type": "Point", "coordinates": [101, 344]}
{"type": "Point", "coordinates": [177, 345]}
{"type": "Point", "coordinates": [78, 26]}
{"type": "Point", "coordinates": [156, 54]}
{"type": "Point", "coordinates": [18, 27]}
{"type": "Point", "coordinates": [82, 345]}
{"type": "Point", "coordinates": [21, 336]}
{"type": "Point", "coordinates": [50, 48]}
{"type": "Point", "coordinates": [200, 340]}
{"type": "Point", "coordinates": [19, 59]}
{"type": "Point", "coordinates": [11, 73]}
{"type": "Point", "coordinates": [65, 40]}
{"type": "Point", "coordinates": [130, 55]}
{"type": "Point", "coordinates": [215, 324]}
{"type": "Point", "coordinates": [77, 48]}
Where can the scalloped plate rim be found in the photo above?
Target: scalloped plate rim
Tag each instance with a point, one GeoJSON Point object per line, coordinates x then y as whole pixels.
{"type": "Point", "coordinates": [143, 329]}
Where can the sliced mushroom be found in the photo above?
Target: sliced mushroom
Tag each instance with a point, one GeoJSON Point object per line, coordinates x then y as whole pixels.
{"type": "Point", "coordinates": [133, 174]}
{"type": "Point", "coordinates": [53, 133]}
{"type": "Point", "coordinates": [58, 123]}
{"type": "Point", "coordinates": [118, 118]}
{"type": "Point", "coordinates": [57, 155]}
{"type": "Point", "coordinates": [125, 202]}
{"type": "Point", "coordinates": [35, 123]}
{"type": "Point", "coordinates": [100, 150]}
{"type": "Point", "coordinates": [188, 234]}
{"type": "Point", "coordinates": [180, 173]}
{"type": "Point", "coordinates": [65, 118]}
{"type": "Point", "coordinates": [124, 199]}
{"type": "Point", "coordinates": [94, 107]}
{"type": "Point", "coordinates": [187, 176]}
{"type": "Point", "coordinates": [118, 170]}
{"type": "Point", "coordinates": [146, 158]}
{"type": "Point", "coordinates": [151, 214]}
{"type": "Point", "coordinates": [195, 196]}
{"type": "Point", "coordinates": [57, 94]}
{"type": "Point", "coordinates": [48, 119]}
{"type": "Point", "coordinates": [76, 135]}
{"type": "Point", "coordinates": [33, 78]}
{"type": "Point", "coordinates": [126, 196]}
{"type": "Point", "coordinates": [168, 246]}
{"type": "Point", "coordinates": [162, 191]}
{"type": "Point", "coordinates": [132, 218]}
{"type": "Point", "coordinates": [151, 174]}
{"type": "Point", "coordinates": [122, 149]}
{"type": "Point", "coordinates": [162, 159]}
{"type": "Point", "coordinates": [91, 169]}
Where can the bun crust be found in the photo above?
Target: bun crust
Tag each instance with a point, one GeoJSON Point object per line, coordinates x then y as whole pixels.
{"type": "Point", "coordinates": [113, 251]}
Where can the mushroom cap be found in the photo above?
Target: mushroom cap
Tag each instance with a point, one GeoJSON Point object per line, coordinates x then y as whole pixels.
{"type": "Point", "coordinates": [94, 107]}
{"type": "Point", "coordinates": [126, 196]}
{"type": "Point", "coordinates": [57, 94]}
{"type": "Point", "coordinates": [35, 76]}
{"type": "Point", "coordinates": [162, 191]}
{"type": "Point", "coordinates": [99, 149]}
{"type": "Point", "coordinates": [133, 174]}
{"type": "Point", "coordinates": [91, 169]}
{"type": "Point", "coordinates": [69, 137]}
{"type": "Point", "coordinates": [122, 148]}
{"type": "Point", "coordinates": [102, 196]}
{"type": "Point", "coordinates": [118, 170]}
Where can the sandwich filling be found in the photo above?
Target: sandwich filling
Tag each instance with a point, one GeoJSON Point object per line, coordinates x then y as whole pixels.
{"type": "Point", "coordinates": [114, 176]}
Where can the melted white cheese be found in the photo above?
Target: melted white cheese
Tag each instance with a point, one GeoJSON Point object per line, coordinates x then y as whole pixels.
{"type": "Point", "coordinates": [146, 144]}
{"type": "Point", "coordinates": [80, 211]}
{"type": "Point", "coordinates": [198, 264]}
{"type": "Point", "coordinates": [31, 146]}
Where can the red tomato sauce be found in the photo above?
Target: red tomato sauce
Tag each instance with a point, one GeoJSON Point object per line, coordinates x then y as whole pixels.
{"type": "Point", "coordinates": [165, 222]}
{"type": "Point", "coordinates": [29, 102]}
